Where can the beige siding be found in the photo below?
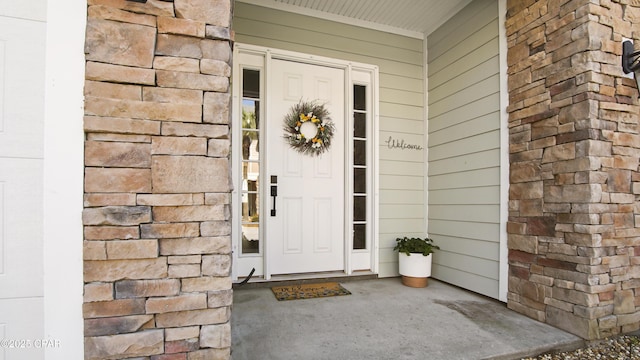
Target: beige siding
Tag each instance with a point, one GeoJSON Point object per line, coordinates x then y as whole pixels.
{"type": "Point", "coordinates": [400, 62]}
{"type": "Point", "coordinates": [464, 148]}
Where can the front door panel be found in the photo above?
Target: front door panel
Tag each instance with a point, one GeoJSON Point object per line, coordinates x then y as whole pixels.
{"type": "Point", "coordinates": [22, 83]}
{"type": "Point", "coordinates": [307, 232]}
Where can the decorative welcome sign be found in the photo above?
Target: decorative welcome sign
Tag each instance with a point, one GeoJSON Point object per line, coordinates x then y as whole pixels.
{"type": "Point", "coordinates": [393, 143]}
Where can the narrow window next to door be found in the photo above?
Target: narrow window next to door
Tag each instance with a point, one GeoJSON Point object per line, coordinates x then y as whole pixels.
{"type": "Point", "coordinates": [250, 161]}
{"type": "Point", "coordinates": [359, 167]}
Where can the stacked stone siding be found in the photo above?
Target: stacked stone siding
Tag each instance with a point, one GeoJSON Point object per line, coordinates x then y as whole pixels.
{"type": "Point", "coordinates": [157, 234]}
{"type": "Point", "coordinates": [574, 199]}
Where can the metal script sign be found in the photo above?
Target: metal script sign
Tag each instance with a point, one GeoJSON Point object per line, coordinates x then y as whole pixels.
{"type": "Point", "coordinates": [401, 144]}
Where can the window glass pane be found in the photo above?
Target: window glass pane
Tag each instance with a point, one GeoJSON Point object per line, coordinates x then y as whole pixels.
{"type": "Point", "coordinates": [359, 152]}
{"type": "Point", "coordinates": [250, 145]}
{"type": "Point", "coordinates": [360, 125]}
{"type": "Point", "coordinates": [250, 239]}
{"type": "Point", "coordinates": [359, 208]}
{"type": "Point", "coordinates": [250, 174]}
{"type": "Point", "coordinates": [359, 236]}
{"type": "Point", "coordinates": [250, 114]}
{"type": "Point", "coordinates": [359, 97]}
{"type": "Point", "coordinates": [250, 214]}
{"type": "Point", "coordinates": [359, 180]}
{"type": "Point", "coordinates": [251, 203]}
{"type": "Point", "coordinates": [250, 208]}
{"type": "Point", "coordinates": [251, 83]}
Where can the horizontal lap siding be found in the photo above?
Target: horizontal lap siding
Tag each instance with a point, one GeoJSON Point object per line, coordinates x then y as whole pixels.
{"type": "Point", "coordinates": [464, 148]}
{"type": "Point", "coordinates": [400, 63]}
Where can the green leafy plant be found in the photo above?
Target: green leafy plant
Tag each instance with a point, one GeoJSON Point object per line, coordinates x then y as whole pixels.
{"type": "Point", "coordinates": [415, 246]}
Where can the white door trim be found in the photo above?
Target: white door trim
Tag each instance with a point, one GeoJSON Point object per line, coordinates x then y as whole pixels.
{"type": "Point", "coordinates": [503, 280]}
{"type": "Point", "coordinates": [64, 178]}
{"type": "Point", "coordinates": [349, 67]}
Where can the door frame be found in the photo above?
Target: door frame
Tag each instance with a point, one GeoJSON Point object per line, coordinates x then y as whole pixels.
{"type": "Point", "coordinates": [355, 74]}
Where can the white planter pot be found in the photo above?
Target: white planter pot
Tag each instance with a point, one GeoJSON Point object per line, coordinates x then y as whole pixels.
{"type": "Point", "coordinates": [415, 265]}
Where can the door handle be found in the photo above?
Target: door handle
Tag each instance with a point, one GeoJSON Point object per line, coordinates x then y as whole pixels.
{"type": "Point", "coordinates": [274, 195]}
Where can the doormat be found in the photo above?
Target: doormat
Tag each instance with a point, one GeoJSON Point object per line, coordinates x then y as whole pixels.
{"type": "Point", "coordinates": [309, 291]}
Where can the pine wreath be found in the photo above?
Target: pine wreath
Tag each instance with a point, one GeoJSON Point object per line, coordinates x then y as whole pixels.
{"type": "Point", "coordinates": [305, 118]}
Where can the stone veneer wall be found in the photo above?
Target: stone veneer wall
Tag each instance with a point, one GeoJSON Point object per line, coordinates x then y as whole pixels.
{"type": "Point", "coordinates": [574, 224]}
{"type": "Point", "coordinates": [157, 232]}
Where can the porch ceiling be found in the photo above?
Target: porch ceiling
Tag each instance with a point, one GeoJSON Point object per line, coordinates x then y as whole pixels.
{"type": "Point", "coordinates": [415, 18]}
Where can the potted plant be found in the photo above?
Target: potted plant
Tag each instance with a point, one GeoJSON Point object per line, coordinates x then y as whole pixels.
{"type": "Point", "coordinates": [415, 256]}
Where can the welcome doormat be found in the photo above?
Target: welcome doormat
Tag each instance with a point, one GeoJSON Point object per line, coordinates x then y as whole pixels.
{"type": "Point", "coordinates": [309, 291]}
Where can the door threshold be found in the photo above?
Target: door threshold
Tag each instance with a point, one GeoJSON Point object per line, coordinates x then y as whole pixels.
{"type": "Point", "coordinates": [306, 278]}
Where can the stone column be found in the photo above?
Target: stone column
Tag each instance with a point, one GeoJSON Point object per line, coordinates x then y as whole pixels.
{"type": "Point", "coordinates": [157, 188]}
{"type": "Point", "coordinates": [574, 224]}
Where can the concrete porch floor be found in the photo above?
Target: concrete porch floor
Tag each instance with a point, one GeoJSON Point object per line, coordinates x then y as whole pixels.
{"type": "Point", "coordinates": [382, 319]}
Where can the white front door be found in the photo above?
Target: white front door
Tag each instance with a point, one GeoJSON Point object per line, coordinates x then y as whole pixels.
{"type": "Point", "coordinates": [306, 234]}
{"type": "Point", "coordinates": [22, 80]}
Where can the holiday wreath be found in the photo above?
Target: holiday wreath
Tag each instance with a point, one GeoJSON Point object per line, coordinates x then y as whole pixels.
{"type": "Point", "coordinates": [308, 128]}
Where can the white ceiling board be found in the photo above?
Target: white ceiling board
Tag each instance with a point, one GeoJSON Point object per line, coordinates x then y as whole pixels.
{"type": "Point", "coordinates": [414, 18]}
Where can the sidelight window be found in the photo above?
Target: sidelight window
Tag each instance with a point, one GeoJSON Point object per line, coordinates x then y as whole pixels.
{"type": "Point", "coordinates": [359, 167]}
{"type": "Point", "coordinates": [250, 161]}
